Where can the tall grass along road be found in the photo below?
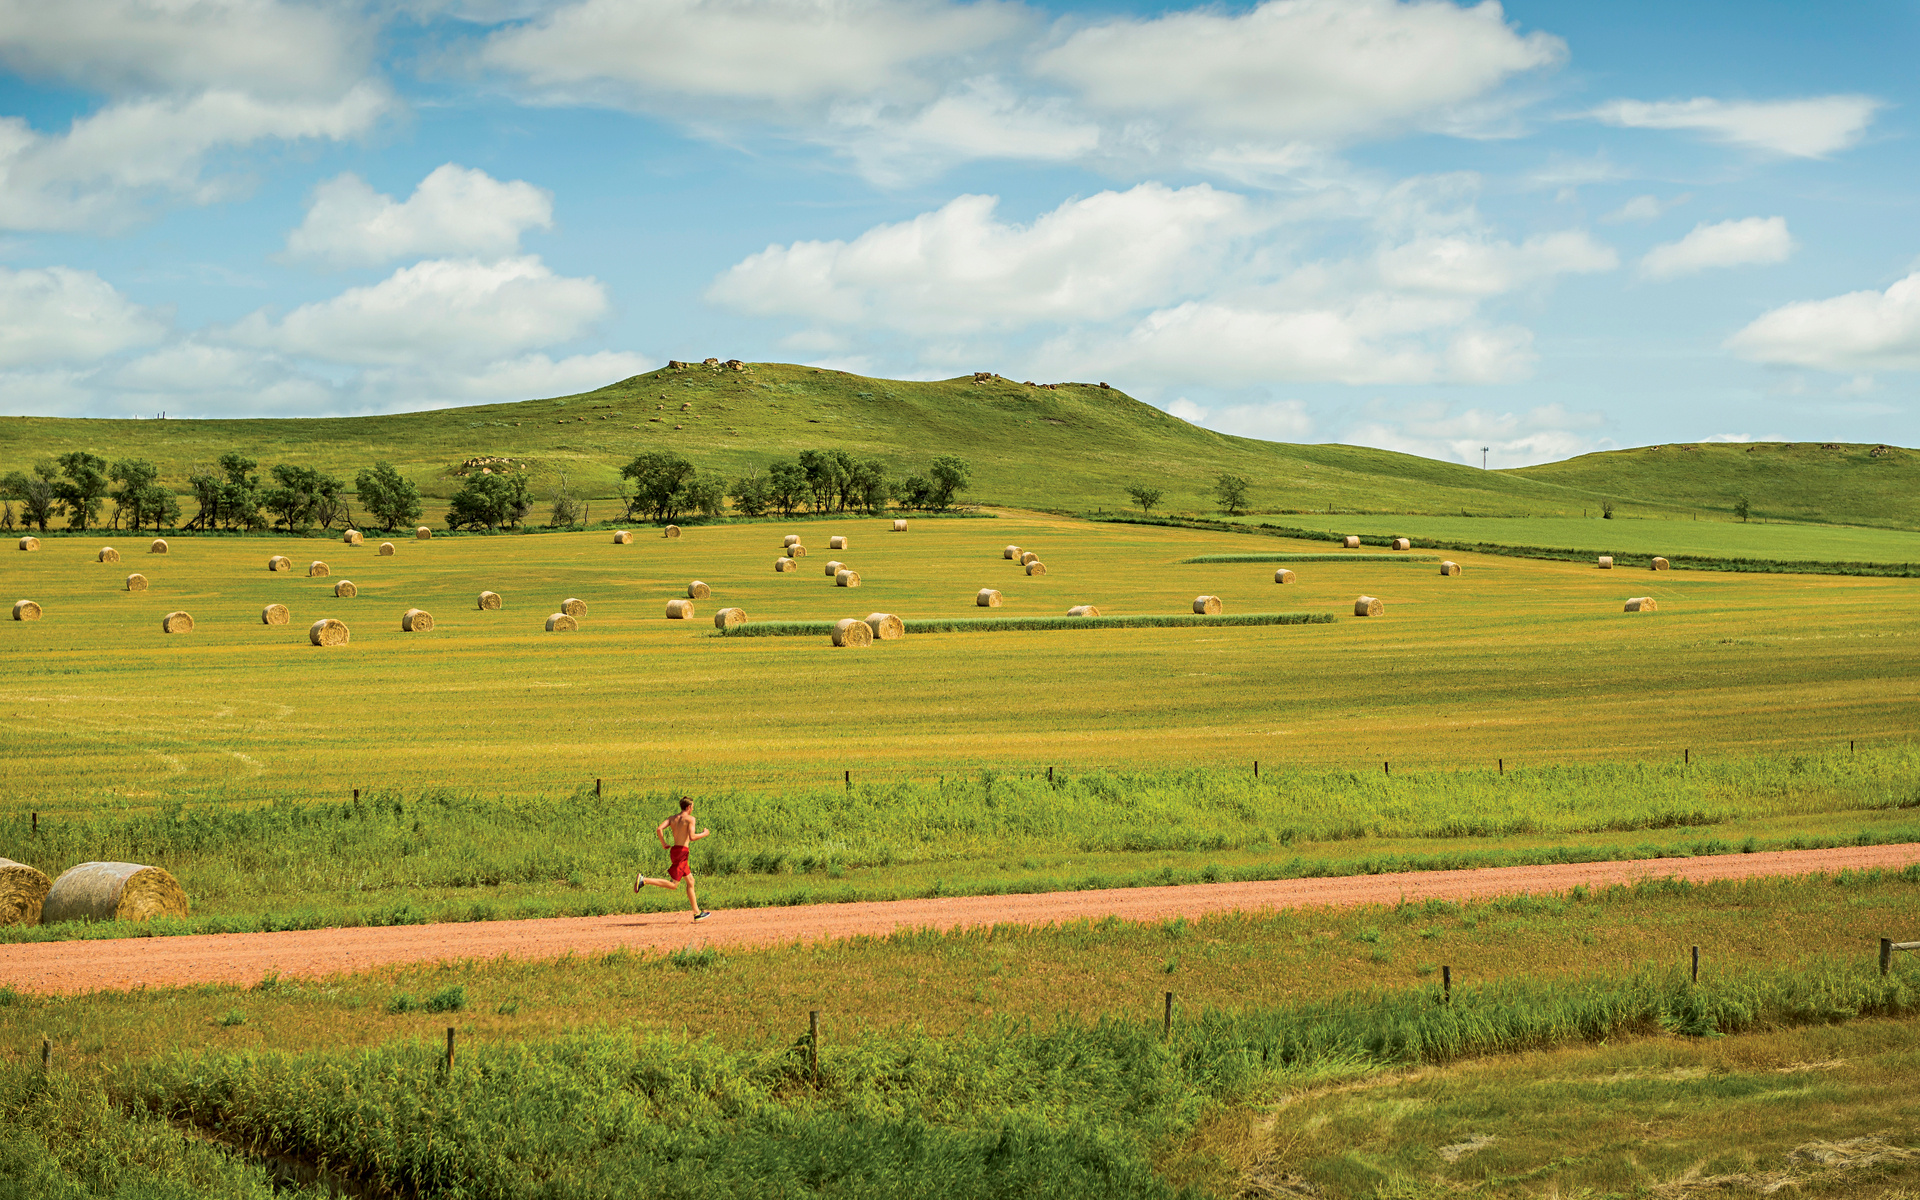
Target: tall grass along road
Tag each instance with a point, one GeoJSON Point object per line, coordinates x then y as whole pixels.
{"type": "Point", "coordinates": [243, 958]}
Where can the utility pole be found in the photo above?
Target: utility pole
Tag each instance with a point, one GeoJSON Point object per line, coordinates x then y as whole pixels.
{"type": "Point", "coordinates": [1483, 456]}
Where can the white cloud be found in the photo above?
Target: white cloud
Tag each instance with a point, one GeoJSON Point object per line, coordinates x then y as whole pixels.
{"type": "Point", "coordinates": [1810, 128]}
{"type": "Point", "coordinates": [1275, 421]}
{"type": "Point", "coordinates": [1752, 240]}
{"type": "Point", "coordinates": [1644, 208]}
{"type": "Point", "coordinates": [1742, 437]}
{"type": "Point", "coordinates": [1479, 266]}
{"type": "Point", "coordinates": [1315, 70]}
{"type": "Point", "coordinates": [1434, 430]}
{"type": "Point", "coordinates": [460, 311]}
{"type": "Point", "coordinates": [961, 269]}
{"type": "Point", "coordinates": [59, 315]}
{"type": "Point", "coordinates": [454, 211]}
{"type": "Point", "coordinates": [534, 376]}
{"type": "Point", "coordinates": [980, 119]}
{"type": "Point", "coordinates": [1860, 331]}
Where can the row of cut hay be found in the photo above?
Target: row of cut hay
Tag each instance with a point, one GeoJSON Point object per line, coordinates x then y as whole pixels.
{"type": "Point", "coordinates": [92, 891]}
{"type": "Point", "coordinates": [1605, 563]}
{"type": "Point", "coordinates": [107, 553]}
{"type": "Point", "coordinates": [1300, 558]}
{"type": "Point", "coordinates": [1015, 624]}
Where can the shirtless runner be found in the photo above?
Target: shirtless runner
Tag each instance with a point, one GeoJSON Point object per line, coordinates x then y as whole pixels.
{"type": "Point", "coordinates": [678, 868]}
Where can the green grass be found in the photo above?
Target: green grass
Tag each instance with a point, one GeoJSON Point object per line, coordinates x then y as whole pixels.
{"type": "Point", "coordinates": [1026, 624]}
{"type": "Point", "coordinates": [1294, 557]}
{"type": "Point", "coordinates": [1649, 536]}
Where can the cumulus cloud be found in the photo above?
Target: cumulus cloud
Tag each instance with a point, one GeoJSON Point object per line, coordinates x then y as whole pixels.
{"type": "Point", "coordinates": [1643, 209]}
{"type": "Point", "coordinates": [1481, 266]}
{"type": "Point", "coordinates": [1813, 127]}
{"type": "Point", "coordinates": [961, 269]}
{"type": "Point", "coordinates": [1753, 240]}
{"type": "Point", "coordinates": [447, 310]}
{"type": "Point", "coordinates": [979, 119]}
{"type": "Point", "coordinates": [1434, 429]}
{"type": "Point", "coordinates": [1274, 421]}
{"type": "Point", "coordinates": [59, 315]}
{"type": "Point", "coordinates": [454, 211]}
{"type": "Point", "coordinates": [1860, 331]}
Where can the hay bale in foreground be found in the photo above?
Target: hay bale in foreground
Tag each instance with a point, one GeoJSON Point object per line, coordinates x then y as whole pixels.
{"type": "Point", "coordinates": [489, 601]}
{"type": "Point", "coordinates": [1207, 606]}
{"type": "Point", "coordinates": [416, 620]}
{"type": "Point", "coordinates": [680, 610]}
{"type": "Point", "coordinates": [136, 582]}
{"type": "Point", "coordinates": [849, 632]}
{"type": "Point", "coordinates": [1036, 567]}
{"type": "Point", "coordinates": [792, 539]}
{"type": "Point", "coordinates": [562, 623]}
{"type": "Point", "coordinates": [386, 549]}
{"type": "Point", "coordinates": [1368, 606]}
{"type": "Point", "coordinates": [1028, 556]}
{"type": "Point", "coordinates": [1661, 564]}
{"type": "Point", "coordinates": [279, 562]}
{"type": "Point", "coordinates": [846, 578]}
{"type": "Point", "coordinates": [109, 554]}
{"type": "Point", "coordinates": [328, 632]}
{"type": "Point", "coordinates": [671, 531]}
{"type": "Point", "coordinates": [318, 570]}
{"type": "Point", "coordinates": [727, 618]}
{"type": "Point", "coordinates": [1642, 604]}
{"type": "Point", "coordinates": [796, 551]}
{"type": "Point", "coordinates": [1606, 562]}
{"type": "Point", "coordinates": [988, 598]}
{"type": "Point", "coordinates": [833, 567]}
{"type": "Point", "coordinates": [422, 533]}
{"type": "Point", "coordinates": [1083, 610]}
{"type": "Point", "coordinates": [113, 891]}
{"type": "Point", "coordinates": [26, 610]}
{"type": "Point", "coordinates": [899, 526]}
{"type": "Point", "coordinates": [1402, 543]}
{"type": "Point", "coordinates": [886, 627]}
{"type": "Point", "coordinates": [275, 614]}
{"type": "Point", "coordinates": [1010, 552]}
{"type": "Point", "coordinates": [353, 537]}
{"type": "Point", "coordinates": [836, 542]}
{"type": "Point", "coordinates": [698, 590]}
{"type": "Point", "coordinates": [176, 622]}
{"type": "Point", "coordinates": [345, 589]}
{"type": "Point", "coordinates": [1283, 576]}
{"type": "Point", "coordinates": [159, 546]}
{"type": "Point", "coordinates": [574, 606]}
{"type": "Point", "coordinates": [783, 565]}
{"type": "Point", "coordinates": [29, 543]}
{"type": "Point", "coordinates": [1449, 568]}
{"type": "Point", "coordinates": [23, 889]}
{"type": "Point", "coordinates": [622, 538]}
{"type": "Point", "coordinates": [1351, 542]}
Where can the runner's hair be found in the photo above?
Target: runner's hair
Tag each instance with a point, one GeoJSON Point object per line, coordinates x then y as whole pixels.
{"type": "Point", "coordinates": [686, 802]}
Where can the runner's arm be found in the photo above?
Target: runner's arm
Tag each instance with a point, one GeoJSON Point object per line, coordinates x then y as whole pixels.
{"type": "Point", "coordinates": [700, 834]}
{"type": "Point", "coordinates": [660, 831]}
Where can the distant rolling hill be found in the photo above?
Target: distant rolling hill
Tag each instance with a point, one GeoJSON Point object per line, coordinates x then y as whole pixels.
{"type": "Point", "coordinates": [1067, 447]}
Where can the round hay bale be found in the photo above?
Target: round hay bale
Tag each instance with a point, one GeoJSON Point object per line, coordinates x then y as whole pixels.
{"type": "Point", "coordinates": [1083, 610]}
{"type": "Point", "coordinates": [562, 623]}
{"type": "Point", "coordinates": [386, 549]}
{"type": "Point", "coordinates": [1010, 552]}
{"type": "Point", "coordinates": [353, 537]}
{"type": "Point", "coordinates": [783, 565]}
{"type": "Point", "coordinates": [1283, 576]}
{"type": "Point", "coordinates": [176, 622]}
{"type": "Point", "coordinates": [345, 589]}
{"type": "Point", "coordinates": [136, 582]}
{"type": "Point", "coordinates": [416, 620]}
{"type": "Point", "coordinates": [1207, 606]}
{"type": "Point", "coordinates": [1368, 606]}
{"type": "Point", "coordinates": [29, 543]}
{"type": "Point", "coordinates": [279, 562]}
{"type": "Point", "coordinates": [988, 598]}
{"type": "Point", "coordinates": [796, 551]}
{"type": "Point", "coordinates": [671, 531]}
{"type": "Point", "coordinates": [849, 632]}
{"type": "Point", "coordinates": [159, 546]}
{"type": "Point", "coordinates": [422, 533]}
{"type": "Point", "coordinates": [886, 627]}
{"type": "Point", "coordinates": [846, 578]}
{"type": "Point", "coordinates": [1028, 556]}
{"type": "Point", "coordinates": [680, 610]}
{"type": "Point", "coordinates": [111, 891]}
{"type": "Point", "coordinates": [109, 554]}
{"type": "Point", "coordinates": [574, 606]}
{"type": "Point", "coordinates": [1351, 542]}
{"type": "Point", "coordinates": [328, 632]}
{"type": "Point", "coordinates": [26, 610]}
{"type": "Point", "coordinates": [833, 567]}
{"type": "Point", "coordinates": [727, 618]}
{"type": "Point", "coordinates": [622, 538]}
{"type": "Point", "coordinates": [836, 543]}
{"type": "Point", "coordinates": [489, 601]}
{"type": "Point", "coordinates": [899, 526]}
{"type": "Point", "coordinates": [1661, 564]}
{"type": "Point", "coordinates": [698, 590]}
{"type": "Point", "coordinates": [792, 539]}
{"type": "Point", "coordinates": [318, 570]}
{"type": "Point", "coordinates": [1449, 568]}
{"type": "Point", "coordinates": [1642, 604]}
{"type": "Point", "coordinates": [1403, 543]}
{"type": "Point", "coordinates": [1036, 567]}
{"type": "Point", "coordinates": [23, 889]}
{"type": "Point", "coordinates": [1605, 562]}
{"type": "Point", "coordinates": [275, 614]}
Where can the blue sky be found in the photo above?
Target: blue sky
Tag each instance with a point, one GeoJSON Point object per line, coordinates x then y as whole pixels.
{"type": "Point", "coordinates": [1546, 228]}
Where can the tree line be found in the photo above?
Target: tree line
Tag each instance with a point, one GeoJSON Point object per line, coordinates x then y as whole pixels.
{"type": "Point", "coordinates": [666, 486]}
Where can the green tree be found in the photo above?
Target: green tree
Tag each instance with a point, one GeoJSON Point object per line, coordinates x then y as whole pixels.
{"type": "Point", "coordinates": [1741, 508]}
{"type": "Point", "coordinates": [1231, 491]}
{"type": "Point", "coordinates": [140, 499]}
{"type": "Point", "coordinates": [660, 478]}
{"type": "Point", "coordinates": [389, 496]}
{"type": "Point", "coordinates": [751, 495]}
{"type": "Point", "coordinates": [868, 487]}
{"type": "Point", "coordinates": [705, 494]}
{"type": "Point", "coordinates": [240, 495]}
{"type": "Point", "coordinates": [915, 491]}
{"type": "Point", "coordinates": [35, 493]}
{"type": "Point", "coordinates": [1145, 497]}
{"type": "Point", "coordinates": [950, 476]}
{"type": "Point", "coordinates": [826, 474]}
{"type": "Point", "coordinates": [786, 487]}
{"type": "Point", "coordinates": [82, 489]}
{"type": "Point", "coordinates": [489, 501]}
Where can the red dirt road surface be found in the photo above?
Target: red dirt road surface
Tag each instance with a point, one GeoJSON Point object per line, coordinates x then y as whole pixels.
{"type": "Point", "coordinates": [242, 958]}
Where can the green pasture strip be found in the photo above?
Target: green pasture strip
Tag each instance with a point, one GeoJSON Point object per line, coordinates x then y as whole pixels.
{"type": "Point", "coordinates": [1023, 624]}
{"type": "Point", "coordinates": [1287, 558]}
{"type": "Point", "coordinates": [1768, 541]}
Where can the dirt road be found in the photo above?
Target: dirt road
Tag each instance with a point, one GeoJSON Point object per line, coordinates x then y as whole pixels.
{"type": "Point", "coordinates": [54, 967]}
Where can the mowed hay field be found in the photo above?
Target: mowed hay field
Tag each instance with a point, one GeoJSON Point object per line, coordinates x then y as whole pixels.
{"type": "Point", "coordinates": [1533, 662]}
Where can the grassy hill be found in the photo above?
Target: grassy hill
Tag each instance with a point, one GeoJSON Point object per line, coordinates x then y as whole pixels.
{"type": "Point", "coordinates": [1069, 447]}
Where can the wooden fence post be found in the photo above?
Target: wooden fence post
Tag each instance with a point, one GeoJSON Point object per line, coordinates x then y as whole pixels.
{"type": "Point", "coordinates": [449, 1051]}
{"type": "Point", "coordinates": [1166, 1023]}
{"type": "Point", "coordinates": [1446, 984]}
{"type": "Point", "coordinates": [1886, 955]}
{"type": "Point", "coordinates": [596, 788]}
{"type": "Point", "coordinates": [46, 1054]}
{"type": "Point", "coordinates": [813, 1044]}
{"type": "Point", "coordinates": [1696, 965]}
